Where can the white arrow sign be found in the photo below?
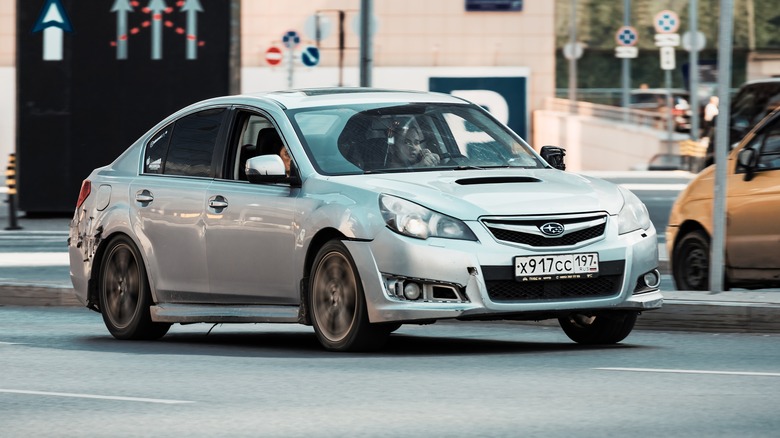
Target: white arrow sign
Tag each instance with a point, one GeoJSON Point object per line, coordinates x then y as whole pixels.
{"type": "Point", "coordinates": [157, 7]}
{"type": "Point", "coordinates": [192, 7]}
{"type": "Point", "coordinates": [122, 8]}
{"type": "Point", "coordinates": [52, 22]}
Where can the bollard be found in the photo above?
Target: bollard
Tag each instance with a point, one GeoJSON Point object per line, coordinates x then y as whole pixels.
{"type": "Point", "coordinates": [10, 182]}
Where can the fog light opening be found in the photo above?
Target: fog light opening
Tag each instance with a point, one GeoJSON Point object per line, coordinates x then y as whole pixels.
{"type": "Point", "coordinates": [412, 291]}
{"type": "Point", "coordinates": [652, 278]}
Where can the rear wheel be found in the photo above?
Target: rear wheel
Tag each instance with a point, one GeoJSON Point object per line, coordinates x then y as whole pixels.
{"type": "Point", "coordinates": [124, 294]}
{"type": "Point", "coordinates": [604, 328]}
{"type": "Point", "coordinates": [338, 305]}
{"type": "Point", "coordinates": [691, 268]}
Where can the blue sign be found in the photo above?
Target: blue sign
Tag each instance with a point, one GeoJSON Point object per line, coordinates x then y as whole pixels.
{"type": "Point", "coordinates": [310, 56]}
{"type": "Point", "coordinates": [291, 39]}
{"type": "Point", "coordinates": [626, 36]}
{"type": "Point", "coordinates": [53, 15]}
{"type": "Point", "coordinates": [666, 22]}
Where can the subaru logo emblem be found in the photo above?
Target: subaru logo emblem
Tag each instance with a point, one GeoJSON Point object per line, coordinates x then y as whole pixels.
{"type": "Point", "coordinates": [552, 229]}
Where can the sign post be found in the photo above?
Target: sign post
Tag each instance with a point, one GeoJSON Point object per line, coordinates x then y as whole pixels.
{"type": "Point", "coordinates": [666, 24]}
{"type": "Point", "coordinates": [626, 38]}
{"type": "Point", "coordinates": [291, 39]}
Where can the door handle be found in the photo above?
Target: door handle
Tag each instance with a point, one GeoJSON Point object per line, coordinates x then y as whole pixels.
{"type": "Point", "coordinates": [218, 202]}
{"type": "Point", "coordinates": [144, 197]}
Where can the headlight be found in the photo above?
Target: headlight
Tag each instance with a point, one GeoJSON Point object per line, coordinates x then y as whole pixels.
{"type": "Point", "coordinates": [633, 215]}
{"type": "Point", "coordinates": [414, 220]}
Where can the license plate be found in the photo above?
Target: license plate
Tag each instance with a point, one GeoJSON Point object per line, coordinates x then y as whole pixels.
{"type": "Point", "coordinates": [557, 266]}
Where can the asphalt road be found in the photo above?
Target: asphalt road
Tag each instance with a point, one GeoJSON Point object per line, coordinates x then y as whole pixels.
{"type": "Point", "coordinates": [63, 375]}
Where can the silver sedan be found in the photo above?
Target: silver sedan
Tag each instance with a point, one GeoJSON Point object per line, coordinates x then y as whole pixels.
{"type": "Point", "coordinates": [355, 211]}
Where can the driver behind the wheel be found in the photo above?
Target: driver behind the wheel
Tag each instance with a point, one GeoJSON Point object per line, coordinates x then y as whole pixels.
{"type": "Point", "coordinates": [406, 146]}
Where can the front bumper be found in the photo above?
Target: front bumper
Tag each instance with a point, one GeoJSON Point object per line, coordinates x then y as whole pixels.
{"type": "Point", "coordinates": [470, 266]}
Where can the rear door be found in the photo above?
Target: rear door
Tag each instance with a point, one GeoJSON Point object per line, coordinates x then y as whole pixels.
{"type": "Point", "coordinates": [168, 203]}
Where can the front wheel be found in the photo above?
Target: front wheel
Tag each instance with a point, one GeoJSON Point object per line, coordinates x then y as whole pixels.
{"type": "Point", "coordinates": [600, 329]}
{"type": "Point", "coordinates": [338, 305]}
{"type": "Point", "coordinates": [691, 263]}
{"type": "Point", "coordinates": [124, 294]}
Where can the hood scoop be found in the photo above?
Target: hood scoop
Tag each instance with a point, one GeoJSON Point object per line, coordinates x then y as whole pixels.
{"type": "Point", "coordinates": [497, 180]}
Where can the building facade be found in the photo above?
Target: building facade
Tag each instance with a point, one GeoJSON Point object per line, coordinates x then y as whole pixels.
{"type": "Point", "coordinates": [503, 59]}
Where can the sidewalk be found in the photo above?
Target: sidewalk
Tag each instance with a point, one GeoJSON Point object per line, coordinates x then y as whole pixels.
{"type": "Point", "coordinates": [731, 311]}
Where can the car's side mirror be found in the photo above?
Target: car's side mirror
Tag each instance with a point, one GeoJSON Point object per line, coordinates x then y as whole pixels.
{"type": "Point", "coordinates": [267, 169]}
{"type": "Point", "coordinates": [746, 161]}
{"type": "Point", "coordinates": [553, 155]}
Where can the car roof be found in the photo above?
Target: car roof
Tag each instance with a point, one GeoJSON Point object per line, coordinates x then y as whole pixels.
{"type": "Point", "coordinates": [320, 97]}
{"type": "Point", "coordinates": [761, 81]}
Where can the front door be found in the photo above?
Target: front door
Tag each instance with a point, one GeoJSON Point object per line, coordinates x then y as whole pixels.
{"type": "Point", "coordinates": [753, 224]}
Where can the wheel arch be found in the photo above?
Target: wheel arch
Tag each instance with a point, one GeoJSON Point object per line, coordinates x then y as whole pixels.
{"type": "Point", "coordinates": [97, 261]}
{"type": "Point", "coordinates": [322, 237]}
{"type": "Point", "coordinates": [685, 228]}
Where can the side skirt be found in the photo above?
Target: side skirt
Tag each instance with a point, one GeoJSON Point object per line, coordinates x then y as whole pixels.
{"type": "Point", "coordinates": [192, 313]}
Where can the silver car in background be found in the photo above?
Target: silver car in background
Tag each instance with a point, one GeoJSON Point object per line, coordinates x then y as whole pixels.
{"type": "Point", "coordinates": [293, 207]}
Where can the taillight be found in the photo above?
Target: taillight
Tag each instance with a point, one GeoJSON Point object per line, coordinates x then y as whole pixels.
{"type": "Point", "coordinates": [86, 189]}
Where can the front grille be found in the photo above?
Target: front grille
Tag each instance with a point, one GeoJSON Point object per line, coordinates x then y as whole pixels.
{"type": "Point", "coordinates": [534, 240]}
{"type": "Point", "coordinates": [526, 231]}
{"type": "Point", "coordinates": [502, 287]}
{"type": "Point", "coordinates": [511, 290]}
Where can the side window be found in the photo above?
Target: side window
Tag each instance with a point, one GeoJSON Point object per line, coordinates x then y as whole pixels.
{"type": "Point", "coordinates": [192, 143]}
{"type": "Point", "coordinates": [258, 136]}
{"type": "Point", "coordinates": [156, 150]}
{"type": "Point", "coordinates": [770, 152]}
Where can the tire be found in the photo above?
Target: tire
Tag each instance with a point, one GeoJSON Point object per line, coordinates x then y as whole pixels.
{"type": "Point", "coordinates": [124, 295]}
{"type": "Point", "coordinates": [601, 329]}
{"type": "Point", "coordinates": [691, 264]}
{"type": "Point", "coordinates": [338, 304]}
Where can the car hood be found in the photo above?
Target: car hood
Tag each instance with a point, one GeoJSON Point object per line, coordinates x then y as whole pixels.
{"type": "Point", "coordinates": [471, 194]}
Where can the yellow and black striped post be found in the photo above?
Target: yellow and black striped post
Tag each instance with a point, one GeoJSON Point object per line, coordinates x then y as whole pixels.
{"type": "Point", "coordinates": [10, 182]}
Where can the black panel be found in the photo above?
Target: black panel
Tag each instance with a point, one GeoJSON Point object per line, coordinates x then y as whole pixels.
{"type": "Point", "coordinates": [81, 112]}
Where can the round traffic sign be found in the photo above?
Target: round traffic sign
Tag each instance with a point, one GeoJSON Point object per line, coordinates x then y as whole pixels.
{"type": "Point", "coordinates": [666, 21]}
{"type": "Point", "coordinates": [318, 27]}
{"type": "Point", "coordinates": [626, 36]}
{"type": "Point", "coordinates": [697, 40]}
{"type": "Point", "coordinates": [273, 55]}
{"type": "Point", "coordinates": [291, 39]}
{"type": "Point", "coordinates": [310, 56]}
{"type": "Point", "coordinates": [573, 51]}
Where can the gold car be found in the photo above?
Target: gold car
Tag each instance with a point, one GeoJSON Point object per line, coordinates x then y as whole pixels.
{"type": "Point", "coordinates": [752, 220]}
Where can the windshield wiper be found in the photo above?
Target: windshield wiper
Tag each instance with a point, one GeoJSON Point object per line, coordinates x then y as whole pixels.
{"type": "Point", "coordinates": [468, 167]}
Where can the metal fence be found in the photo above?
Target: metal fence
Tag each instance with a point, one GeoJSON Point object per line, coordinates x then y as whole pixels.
{"type": "Point", "coordinates": [636, 117]}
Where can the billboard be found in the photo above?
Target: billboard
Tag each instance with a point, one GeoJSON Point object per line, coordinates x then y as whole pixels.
{"type": "Point", "coordinates": [92, 76]}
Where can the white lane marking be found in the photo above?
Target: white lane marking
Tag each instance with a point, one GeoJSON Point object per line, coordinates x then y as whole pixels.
{"type": "Point", "coordinates": [100, 397]}
{"type": "Point", "coordinates": [10, 343]}
{"type": "Point", "coordinates": [15, 259]}
{"type": "Point", "coordinates": [661, 370]}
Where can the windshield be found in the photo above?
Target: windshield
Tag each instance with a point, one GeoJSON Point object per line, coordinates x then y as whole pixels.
{"type": "Point", "coordinates": [407, 137]}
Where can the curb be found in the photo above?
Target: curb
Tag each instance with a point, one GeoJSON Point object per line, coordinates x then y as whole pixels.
{"type": "Point", "coordinates": [21, 295]}
{"type": "Point", "coordinates": [730, 317]}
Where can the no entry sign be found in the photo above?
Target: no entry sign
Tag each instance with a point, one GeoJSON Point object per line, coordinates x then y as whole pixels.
{"type": "Point", "coordinates": [273, 55]}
